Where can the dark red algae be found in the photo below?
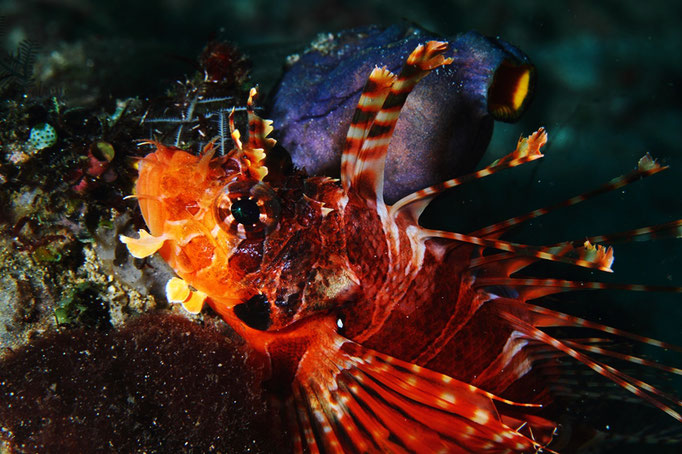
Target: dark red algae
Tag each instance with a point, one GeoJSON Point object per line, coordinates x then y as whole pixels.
{"type": "Point", "coordinates": [160, 384]}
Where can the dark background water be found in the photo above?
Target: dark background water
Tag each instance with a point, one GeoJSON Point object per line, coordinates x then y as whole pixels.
{"type": "Point", "coordinates": [608, 92]}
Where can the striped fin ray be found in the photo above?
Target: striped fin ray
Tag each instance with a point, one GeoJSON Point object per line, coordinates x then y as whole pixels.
{"type": "Point", "coordinates": [622, 356]}
{"type": "Point", "coordinates": [234, 132]}
{"type": "Point", "coordinates": [359, 400]}
{"type": "Point", "coordinates": [575, 385]}
{"type": "Point", "coordinates": [666, 230]}
{"type": "Point", "coordinates": [554, 318]}
{"type": "Point", "coordinates": [254, 157]}
{"type": "Point", "coordinates": [592, 257]}
{"type": "Point", "coordinates": [532, 288]}
{"type": "Point", "coordinates": [373, 96]}
{"type": "Point", "coordinates": [646, 167]}
{"type": "Point", "coordinates": [506, 263]}
{"type": "Point", "coordinates": [527, 150]}
{"type": "Point", "coordinates": [368, 172]}
{"type": "Point", "coordinates": [637, 387]}
{"type": "Point", "coordinates": [543, 317]}
{"type": "Point", "coordinates": [526, 147]}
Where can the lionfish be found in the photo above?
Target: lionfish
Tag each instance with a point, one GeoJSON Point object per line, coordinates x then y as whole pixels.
{"type": "Point", "coordinates": [384, 335]}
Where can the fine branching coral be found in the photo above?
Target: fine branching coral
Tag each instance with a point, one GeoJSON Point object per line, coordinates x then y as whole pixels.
{"type": "Point", "coordinates": [16, 68]}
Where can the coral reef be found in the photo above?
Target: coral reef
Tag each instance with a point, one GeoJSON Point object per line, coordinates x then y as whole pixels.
{"type": "Point", "coordinates": [66, 166]}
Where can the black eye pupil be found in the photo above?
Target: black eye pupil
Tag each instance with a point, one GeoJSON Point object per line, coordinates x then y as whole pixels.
{"type": "Point", "coordinates": [245, 211]}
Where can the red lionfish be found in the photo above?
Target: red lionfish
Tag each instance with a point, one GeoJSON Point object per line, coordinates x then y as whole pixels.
{"type": "Point", "coordinates": [387, 336]}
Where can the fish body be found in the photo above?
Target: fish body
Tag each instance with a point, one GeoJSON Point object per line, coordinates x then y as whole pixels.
{"type": "Point", "coordinates": [385, 336]}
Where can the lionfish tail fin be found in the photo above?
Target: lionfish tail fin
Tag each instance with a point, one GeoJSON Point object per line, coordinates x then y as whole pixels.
{"type": "Point", "coordinates": [371, 130]}
{"type": "Point", "coordinates": [413, 409]}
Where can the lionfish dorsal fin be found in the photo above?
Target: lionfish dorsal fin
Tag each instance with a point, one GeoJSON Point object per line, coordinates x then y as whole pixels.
{"type": "Point", "coordinates": [527, 150]}
{"type": "Point", "coordinates": [646, 166]}
{"type": "Point", "coordinates": [372, 98]}
{"type": "Point", "coordinates": [367, 141]}
{"type": "Point", "coordinates": [354, 399]}
{"type": "Point", "coordinates": [259, 129]}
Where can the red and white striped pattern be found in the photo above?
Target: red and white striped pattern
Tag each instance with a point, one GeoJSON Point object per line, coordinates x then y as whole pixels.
{"type": "Point", "coordinates": [370, 132]}
{"type": "Point", "coordinates": [359, 400]}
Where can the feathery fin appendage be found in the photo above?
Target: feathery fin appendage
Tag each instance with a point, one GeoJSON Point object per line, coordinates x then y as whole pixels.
{"type": "Point", "coordinates": [178, 291]}
{"type": "Point", "coordinates": [595, 258]}
{"type": "Point", "coordinates": [258, 144]}
{"type": "Point", "coordinates": [259, 129]}
{"type": "Point", "coordinates": [144, 246]}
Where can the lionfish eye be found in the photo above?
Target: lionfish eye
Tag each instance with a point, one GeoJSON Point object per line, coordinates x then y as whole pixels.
{"type": "Point", "coordinates": [247, 209]}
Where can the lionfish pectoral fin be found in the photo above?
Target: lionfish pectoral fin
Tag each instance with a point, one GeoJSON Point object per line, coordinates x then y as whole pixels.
{"type": "Point", "coordinates": [364, 155]}
{"type": "Point", "coordinates": [144, 246]}
{"type": "Point", "coordinates": [578, 351]}
{"type": "Point", "coordinates": [358, 400]}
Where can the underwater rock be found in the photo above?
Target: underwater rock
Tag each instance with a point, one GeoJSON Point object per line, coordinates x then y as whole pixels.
{"type": "Point", "coordinates": [160, 384]}
{"type": "Point", "coordinates": [12, 316]}
{"type": "Point", "coordinates": [444, 127]}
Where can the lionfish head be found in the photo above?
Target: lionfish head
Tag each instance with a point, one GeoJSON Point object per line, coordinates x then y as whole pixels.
{"type": "Point", "coordinates": [259, 249]}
